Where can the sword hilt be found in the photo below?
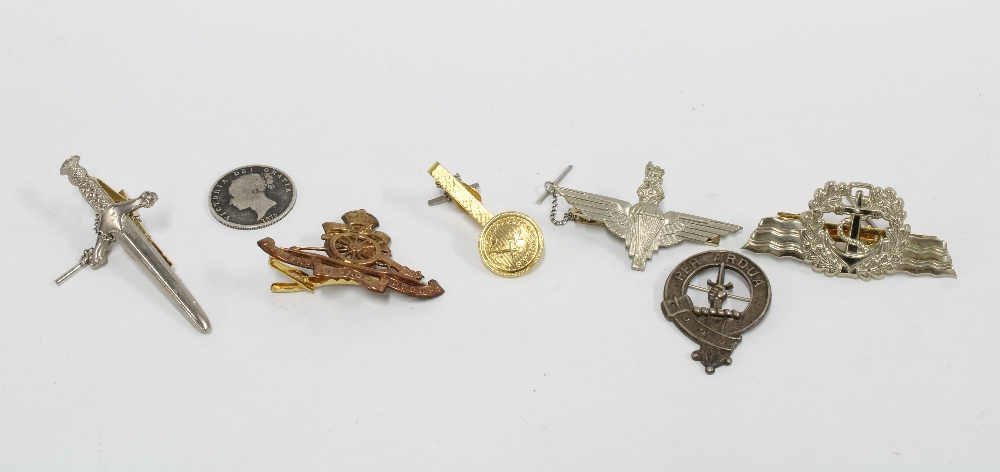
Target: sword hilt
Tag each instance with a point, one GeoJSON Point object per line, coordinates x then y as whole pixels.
{"type": "Point", "coordinates": [92, 192]}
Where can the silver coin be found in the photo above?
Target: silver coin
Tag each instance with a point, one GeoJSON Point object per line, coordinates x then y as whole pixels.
{"type": "Point", "coordinates": [252, 197]}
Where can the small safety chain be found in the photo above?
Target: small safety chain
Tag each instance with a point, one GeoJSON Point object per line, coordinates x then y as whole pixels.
{"type": "Point", "coordinates": [108, 238]}
{"type": "Point", "coordinates": [569, 216]}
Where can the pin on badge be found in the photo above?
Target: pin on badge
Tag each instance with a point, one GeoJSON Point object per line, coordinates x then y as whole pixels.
{"type": "Point", "coordinates": [643, 226]}
{"type": "Point", "coordinates": [716, 329]}
{"type": "Point", "coordinates": [117, 221]}
{"type": "Point", "coordinates": [444, 198]}
{"type": "Point", "coordinates": [846, 248]}
{"type": "Point", "coordinates": [510, 244]}
{"type": "Point", "coordinates": [355, 253]}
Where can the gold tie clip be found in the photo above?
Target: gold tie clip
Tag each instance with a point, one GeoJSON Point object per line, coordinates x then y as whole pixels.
{"type": "Point", "coordinates": [510, 244]}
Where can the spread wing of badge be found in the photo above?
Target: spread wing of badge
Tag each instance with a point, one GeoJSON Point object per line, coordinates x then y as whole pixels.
{"type": "Point", "coordinates": [847, 248]}
{"type": "Point", "coordinates": [643, 226]}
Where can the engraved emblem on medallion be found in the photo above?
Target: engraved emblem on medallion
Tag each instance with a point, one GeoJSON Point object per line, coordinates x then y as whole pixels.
{"type": "Point", "coordinates": [252, 197]}
{"type": "Point", "coordinates": [717, 317]}
{"type": "Point", "coordinates": [510, 244]}
{"type": "Point", "coordinates": [839, 236]}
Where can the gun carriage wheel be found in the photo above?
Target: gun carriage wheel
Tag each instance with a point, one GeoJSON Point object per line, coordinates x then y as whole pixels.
{"type": "Point", "coordinates": [354, 248]}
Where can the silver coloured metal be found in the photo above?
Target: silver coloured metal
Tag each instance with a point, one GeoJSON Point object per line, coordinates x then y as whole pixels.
{"type": "Point", "coordinates": [252, 197]}
{"type": "Point", "coordinates": [846, 248]}
{"type": "Point", "coordinates": [115, 223]}
{"type": "Point", "coordinates": [569, 216]}
{"type": "Point", "coordinates": [551, 183]}
{"type": "Point", "coordinates": [708, 290]}
{"type": "Point", "coordinates": [445, 198]}
{"type": "Point", "coordinates": [716, 329]}
{"type": "Point", "coordinates": [84, 262]}
{"type": "Point", "coordinates": [643, 226]}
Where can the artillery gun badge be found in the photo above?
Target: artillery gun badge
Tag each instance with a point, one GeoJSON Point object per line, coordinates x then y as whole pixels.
{"type": "Point", "coordinates": [716, 328]}
{"type": "Point", "coordinates": [353, 253]}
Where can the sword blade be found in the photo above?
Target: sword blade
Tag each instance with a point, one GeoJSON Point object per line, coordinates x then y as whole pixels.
{"type": "Point", "coordinates": [134, 242]}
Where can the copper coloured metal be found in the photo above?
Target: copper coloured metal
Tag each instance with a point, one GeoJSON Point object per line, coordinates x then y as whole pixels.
{"type": "Point", "coordinates": [353, 253]}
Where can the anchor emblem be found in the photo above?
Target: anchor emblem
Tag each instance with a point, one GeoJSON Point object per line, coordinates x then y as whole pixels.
{"type": "Point", "coordinates": [849, 229]}
{"type": "Point", "coordinates": [854, 246]}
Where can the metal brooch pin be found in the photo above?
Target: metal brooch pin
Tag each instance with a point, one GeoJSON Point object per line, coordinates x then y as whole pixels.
{"type": "Point", "coordinates": [444, 198]}
{"type": "Point", "coordinates": [847, 248]}
{"type": "Point", "coordinates": [117, 221]}
{"type": "Point", "coordinates": [643, 226]}
{"type": "Point", "coordinates": [355, 253]}
{"type": "Point", "coordinates": [716, 329]}
{"type": "Point", "coordinates": [510, 244]}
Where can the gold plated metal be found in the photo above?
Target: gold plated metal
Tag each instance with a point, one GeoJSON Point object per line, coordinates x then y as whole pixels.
{"type": "Point", "coordinates": [511, 243]}
{"type": "Point", "coordinates": [356, 254]}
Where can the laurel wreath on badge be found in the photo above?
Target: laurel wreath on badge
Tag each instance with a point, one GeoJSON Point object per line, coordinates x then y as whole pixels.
{"type": "Point", "coordinates": [880, 258]}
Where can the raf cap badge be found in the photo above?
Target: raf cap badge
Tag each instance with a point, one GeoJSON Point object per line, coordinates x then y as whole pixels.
{"type": "Point", "coordinates": [716, 329]}
{"type": "Point", "coordinates": [117, 221]}
{"type": "Point", "coordinates": [510, 243]}
{"type": "Point", "coordinates": [354, 254]}
{"type": "Point", "coordinates": [643, 226]}
{"type": "Point", "coordinates": [847, 248]}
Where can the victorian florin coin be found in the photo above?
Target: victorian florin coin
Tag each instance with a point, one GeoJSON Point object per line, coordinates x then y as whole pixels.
{"type": "Point", "coordinates": [252, 197]}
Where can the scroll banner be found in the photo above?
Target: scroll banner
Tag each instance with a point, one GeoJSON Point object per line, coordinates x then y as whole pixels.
{"type": "Point", "coordinates": [681, 312]}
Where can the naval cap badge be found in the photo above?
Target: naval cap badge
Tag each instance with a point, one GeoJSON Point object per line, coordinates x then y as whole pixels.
{"type": "Point", "coordinates": [510, 244]}
{"type": "Point", "coordinates": [644, 227]}
{"type": "Point", "coordinates": [118, 222]}
{"type": "Point", "coordinates": [353, 253]}
{"type": "Point", "coordinates": [716, 329]}
{"type": "Point", "coordinates": [846, 247]}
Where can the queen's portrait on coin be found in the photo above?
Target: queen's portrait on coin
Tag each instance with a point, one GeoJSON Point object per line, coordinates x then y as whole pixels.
{"type": "Point", "coordinates": [248, 192]}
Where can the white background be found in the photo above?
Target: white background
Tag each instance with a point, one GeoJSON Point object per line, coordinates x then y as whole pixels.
{"type": "Point", "coordinates": [571, 367]}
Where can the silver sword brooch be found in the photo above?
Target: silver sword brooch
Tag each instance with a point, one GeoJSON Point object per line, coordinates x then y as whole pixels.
{"type": "Point", "coordinates": [117, 221]}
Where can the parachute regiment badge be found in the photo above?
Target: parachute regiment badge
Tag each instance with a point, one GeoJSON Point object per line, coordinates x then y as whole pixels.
{"type": "Point", "coordinates": [643, 226]}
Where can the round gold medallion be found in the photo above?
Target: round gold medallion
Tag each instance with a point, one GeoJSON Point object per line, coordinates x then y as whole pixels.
{"type": "Point", "coordinates": [511, 244]}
